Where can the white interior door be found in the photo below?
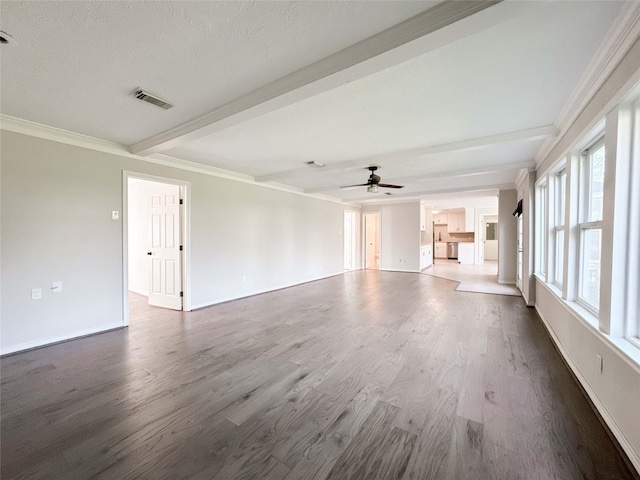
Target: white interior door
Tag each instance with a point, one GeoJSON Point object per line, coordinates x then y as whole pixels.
{"type": "Point", "coordinates": [372, 240]}
{"type": "Point", "coordinates": [349, 240]}
{"type": "Point", "coordinates": [482, 240]}
{"type": "Point", "coordinates": [491, 239]}
{"type": "Point", "coordinates": [165, 282]}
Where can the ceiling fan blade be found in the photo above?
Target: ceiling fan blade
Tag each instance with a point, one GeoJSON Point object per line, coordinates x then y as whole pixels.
{"type": "Point", "coordinates": [386, 185]}
{"type": "Point", "coordinates": [358, 185]}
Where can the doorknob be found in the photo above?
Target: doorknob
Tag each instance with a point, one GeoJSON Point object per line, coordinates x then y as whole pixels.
{"type": "Point", "coordinates": [149, 253]}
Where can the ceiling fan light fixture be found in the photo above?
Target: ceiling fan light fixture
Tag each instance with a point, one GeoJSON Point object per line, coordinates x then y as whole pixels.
{"type": "Point", "coordinates": [372, 189]}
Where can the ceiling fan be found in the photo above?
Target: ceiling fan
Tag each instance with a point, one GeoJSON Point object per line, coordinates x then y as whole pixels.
{"type": "Point", "coordinates": [373, 183]}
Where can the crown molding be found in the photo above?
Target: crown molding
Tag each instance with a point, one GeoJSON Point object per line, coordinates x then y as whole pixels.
{"type": "Point", "coordinates": [522, 177]}
{"type": "Point", "coordinates": [46, 132]}
{"type": "Point", "coordinates": [621, 36]}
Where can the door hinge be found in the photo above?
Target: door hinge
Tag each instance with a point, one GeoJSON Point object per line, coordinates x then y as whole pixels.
{"type": "Point", "coordinates": [181, 201]}
{"type": "Point", "coordinates": [182, 294]}
{"type": "Point", "coordinates": [180, 247]}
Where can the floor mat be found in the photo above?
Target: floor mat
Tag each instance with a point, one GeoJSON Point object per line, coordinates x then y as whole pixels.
{"type": "Point", "coordinates": [473, 278]}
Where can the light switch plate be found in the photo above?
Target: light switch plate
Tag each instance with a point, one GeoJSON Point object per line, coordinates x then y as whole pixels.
{"type": "Point", "coordinates": [115, 215]}
{"type": "Point", "coordinates": [36, 294]}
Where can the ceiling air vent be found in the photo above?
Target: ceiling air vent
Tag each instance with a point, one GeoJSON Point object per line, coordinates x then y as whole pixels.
{"type": "Point", "coordinates": [152, 98]}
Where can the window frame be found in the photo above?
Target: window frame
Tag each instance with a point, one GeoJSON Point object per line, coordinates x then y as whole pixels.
{"type": "Point", "coordinates": [541, 229]}
{"type": "Point", "coordinates": [585, 224]}
{"type": "Point", "coordinates": [559, 223]}
{"type": "Point", "coordinates": [632, 310]}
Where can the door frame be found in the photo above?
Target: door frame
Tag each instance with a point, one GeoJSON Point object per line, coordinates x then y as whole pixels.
{"type": "Point", "coordinates": [354, 235]}
{"type": "Point", "coordinates": [378, 238]}
{"type": "Point", "coordinates": [185, 235]}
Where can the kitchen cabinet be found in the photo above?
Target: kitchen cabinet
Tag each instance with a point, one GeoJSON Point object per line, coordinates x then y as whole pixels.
{"type": "Point", "coordinates": [456, 222]}
{"type": "Point", "coordinates": [470, 220]}
{"type": "Point", "coordinates": [441, 250]}
{"type": "Point", "coordinates": [425, 256]}
{"type": "Point", "coordinates": [440, 218]}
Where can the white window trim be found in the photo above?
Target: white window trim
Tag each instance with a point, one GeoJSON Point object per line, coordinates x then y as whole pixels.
{"type": "Point", "coordinates": [558, 227]}
{"type": "Point", "coordinates": [632, 310]}
{"type": "Point", "coordinates": [541, 230]}
{"type": "Point", "coordinates": [584, 197]}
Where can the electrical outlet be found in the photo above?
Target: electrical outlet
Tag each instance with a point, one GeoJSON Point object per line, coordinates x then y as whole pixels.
{"type": "Point", "coordinates": [36, 294]}
{"type": "Point", "coordinates": [115, 215]}
{"type": "Point", "coordinates": [244, 278]}
{"type": "Point", "coordinates": [56, 287]}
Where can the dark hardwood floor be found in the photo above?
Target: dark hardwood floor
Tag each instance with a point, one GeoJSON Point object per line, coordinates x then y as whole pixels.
{"type": "Point", "coordinates": [367, 375]}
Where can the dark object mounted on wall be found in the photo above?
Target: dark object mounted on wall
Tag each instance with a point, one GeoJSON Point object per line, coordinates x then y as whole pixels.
{"type": "Point", "coordinates": [518, 211]}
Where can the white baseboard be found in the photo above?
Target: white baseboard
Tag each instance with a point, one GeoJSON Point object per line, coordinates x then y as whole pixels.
{"type": "Point", "coordinates": [634, 456]}
{"type": "Point", "coordinates": [259, 292]}
{"type": "Point", "coordinates": [62, 338]}
{"type": "Point", "coordinates": [398, 270]}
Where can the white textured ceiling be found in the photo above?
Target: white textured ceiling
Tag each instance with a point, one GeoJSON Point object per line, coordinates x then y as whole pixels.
{"type": "Point", "coordinates": [431, 121]}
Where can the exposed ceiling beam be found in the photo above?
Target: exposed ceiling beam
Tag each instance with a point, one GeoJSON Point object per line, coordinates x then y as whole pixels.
{"type": "Point", "coordinates": [408, 196]}
{"type": "Point", "coordinates": [490, 168]}
{"type": "Point", "coordinates": [529, 134]}
{"type": "Point", "coordinates": [440, 25]}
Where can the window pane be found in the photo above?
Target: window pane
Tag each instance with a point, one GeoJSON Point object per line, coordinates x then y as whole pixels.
{"type": "Point", "coordinates": [559, 270]}
{"type": "Point", "coordinates": [492, 231]}
{"type": "Point", "coordinates": [561, 185]}
{"type": "Point", "coordinates": [590, 271]}
{"type": "Point", "coordinates": [541, 227]}
{"type": "Point", "coordinates": [596, 184]}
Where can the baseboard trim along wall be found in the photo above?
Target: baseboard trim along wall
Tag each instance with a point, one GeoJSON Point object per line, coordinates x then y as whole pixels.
{"type": "Point", "coordinates": [63, 338]}
{"type": "Point", "coordinates": [260, 292]}
{"type": "Point", "coordinates": [601, 410]}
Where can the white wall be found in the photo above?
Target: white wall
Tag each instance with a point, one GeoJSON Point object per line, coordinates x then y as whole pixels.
{"type": "Point", "coordinates": [616, 391]}
{"type": "Point", "coordinates": [57, 201]}
{"type": "Point", "coordinates": [507, 237]}
{"type": "Point", "coordinates": [400, 236]}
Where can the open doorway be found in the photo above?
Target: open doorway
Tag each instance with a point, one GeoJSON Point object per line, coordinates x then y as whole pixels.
{"type": "Point", "coordinates": [491, 238]}
{"type": "Point", "coordinates": [350, 232]}
{"type": "Point", "coordinates": [372, 241]}
{"type": "Point", "coordinates": [155, 241]}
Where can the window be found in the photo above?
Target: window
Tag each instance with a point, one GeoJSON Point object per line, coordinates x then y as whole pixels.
{"type": "Point", "coordinates": [633, 248]}
{"type": "Point", "coordinates": [560, 189]}
{"type": "Point", "coordinates": [492, 231]}
{"type": "Point", "coordinates": [541, 228]}
{"type": "Point", "coordinates": [590, 237]}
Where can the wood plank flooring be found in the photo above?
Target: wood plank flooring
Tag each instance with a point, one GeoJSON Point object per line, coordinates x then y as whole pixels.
{"type": "Point", "coordinates": [367, 375]}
